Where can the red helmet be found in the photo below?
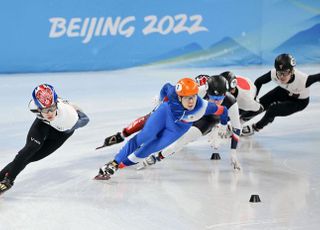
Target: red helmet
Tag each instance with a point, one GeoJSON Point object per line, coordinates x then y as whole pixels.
{"type": "Point", "coordinates": [186, 87]}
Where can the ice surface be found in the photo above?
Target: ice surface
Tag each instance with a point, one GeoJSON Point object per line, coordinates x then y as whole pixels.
{"type": "Point", "coordinates": [187, 191]}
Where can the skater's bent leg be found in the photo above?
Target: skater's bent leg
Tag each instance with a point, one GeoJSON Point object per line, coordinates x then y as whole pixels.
{"type": "Point", "coordinates": [276, 94]}
{"type": "Point", "coordinates": [50, 146]}
{"type": "Point", "coordinates": [164, 139]}
{"type": "Point", "coordinates": [191, 135]}
{"type": "Point", "coordinates": [281, 109]}
{"type": "Point", "coordinates": [154, 125]}
{"type": "Point", "coordinates": [21, 160]}
{"type": "Point", "coordinates": [135, 126]}
{"type": "Point", "coordinates": [34, 141]}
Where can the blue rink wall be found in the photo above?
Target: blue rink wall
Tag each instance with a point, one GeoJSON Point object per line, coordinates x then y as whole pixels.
{"type": "Point", "coordinates": [89, 35]}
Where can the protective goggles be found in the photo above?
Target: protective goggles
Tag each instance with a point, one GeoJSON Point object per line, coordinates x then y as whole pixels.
{"type": "Point", "coordinates": [283, 73]}
{"type": "Point", "coordinates": [216, 98]}
{"type": "Point", "coordinates": [52, 109]}
{"type": "Point", "coordinates": [188, 98]}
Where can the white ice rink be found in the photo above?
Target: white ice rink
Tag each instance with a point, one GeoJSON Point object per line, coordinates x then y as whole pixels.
{"type": "Point", "coordinates": [186, 191]}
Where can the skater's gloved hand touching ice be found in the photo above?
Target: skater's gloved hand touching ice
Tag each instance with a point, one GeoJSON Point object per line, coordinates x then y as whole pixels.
{"type": "Point", "coordinates": [223, 131]}
{"type": "Point", "coordinates": [213, 138]}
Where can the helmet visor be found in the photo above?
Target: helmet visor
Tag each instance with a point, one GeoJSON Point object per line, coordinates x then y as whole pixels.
{"type": "Point", "coordinates": [283, 73]}
{"type": "Point", "coordinates": [52, 109]}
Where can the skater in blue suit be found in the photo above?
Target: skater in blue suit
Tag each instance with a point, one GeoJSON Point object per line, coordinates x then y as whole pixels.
{"type": "Point", "coordinates": [165, 125]}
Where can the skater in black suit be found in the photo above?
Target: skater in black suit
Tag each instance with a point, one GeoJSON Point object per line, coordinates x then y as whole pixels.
{"type": "Point", "coordinates": [55, 122]}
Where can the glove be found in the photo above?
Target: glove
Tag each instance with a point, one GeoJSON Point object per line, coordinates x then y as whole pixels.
{"type": "Point", "coordinates": [214, 138]}
{"type": "Point", "coordinates": [223, 131]}
{"type": "Point", "coordinates": [234, 160]}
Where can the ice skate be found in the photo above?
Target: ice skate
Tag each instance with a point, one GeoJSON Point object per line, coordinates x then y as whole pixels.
{"type": "Point", "coordinates": [114, 139]}
{"type": "Point", "coordinates": [248, 130]}
{"type": "Point", "coordinates": [150, 160]}
{"type": "Point", "coordinates": [107, 170]}
{"type": "Point", "coordinates": [5, 185]}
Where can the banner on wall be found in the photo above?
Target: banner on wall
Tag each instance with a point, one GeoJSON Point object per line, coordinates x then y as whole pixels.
{"type": "Point", "coordinates": [103, 35]}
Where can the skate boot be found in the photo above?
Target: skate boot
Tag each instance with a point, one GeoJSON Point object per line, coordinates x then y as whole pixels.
{"type": "Point", "coordinates": [107, 170]}
{"type": "Point", "coordinates": [114, 139]}
{"type": "Point", "coordinates": [249, 130]}
{"type": "Point", "coordinates": [5, 184]}
{"type": "Point", "coordinates": [150, 160]}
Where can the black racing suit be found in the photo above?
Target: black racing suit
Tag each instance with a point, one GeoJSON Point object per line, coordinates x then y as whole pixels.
{"type": "Point", "coordinates": [206, 123]}
{"type": "Point", "coordinates": [42, 140]}
{"type": "Point", "coordinates": [278, 102]}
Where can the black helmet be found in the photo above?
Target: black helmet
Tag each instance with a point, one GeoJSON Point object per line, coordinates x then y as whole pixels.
{"type": "Point", "coordinates": [284, 62]}
{"type": "Point", "coordinates": [217, 85]}
{"type": "Point", "coordinates": [231, 78]}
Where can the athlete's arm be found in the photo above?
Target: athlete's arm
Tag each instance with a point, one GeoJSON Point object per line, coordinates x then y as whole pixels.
{"type": "Point", "coordinates": [262, 80]}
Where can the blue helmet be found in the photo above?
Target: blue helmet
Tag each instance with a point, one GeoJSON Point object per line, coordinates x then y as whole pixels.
{"type": "Point", "coordinates": [44, 96]}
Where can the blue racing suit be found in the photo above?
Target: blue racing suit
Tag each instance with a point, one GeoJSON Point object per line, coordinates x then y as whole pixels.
{"type": "Point", "coordinates": [165, 125]}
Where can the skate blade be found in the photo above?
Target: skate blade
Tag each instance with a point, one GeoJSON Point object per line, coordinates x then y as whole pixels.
{"type": "Point", "coordinates": [101, 177]}
{"type": "Point", "coordinates": [141, 167]}
{"type": "Point", "coordinates": [100, 147]}
{"type": "Point", "coordinates": [246, 134]}
{"type": "Point", "coordinates": [2, 192]}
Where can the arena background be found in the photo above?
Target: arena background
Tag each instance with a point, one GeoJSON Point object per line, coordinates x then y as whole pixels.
{"type": "Point", "coordinates": [82, 35]}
